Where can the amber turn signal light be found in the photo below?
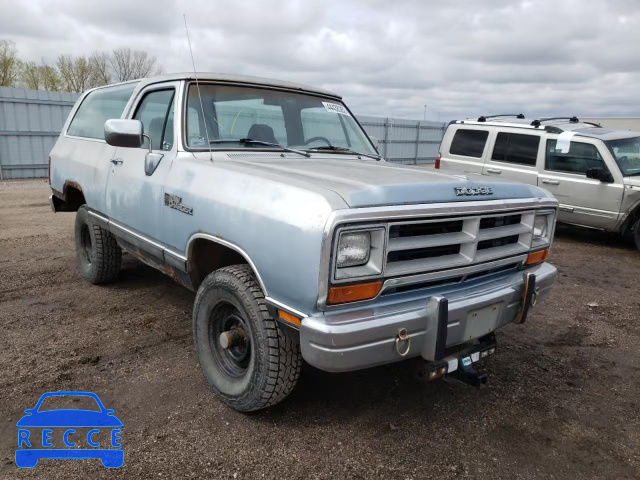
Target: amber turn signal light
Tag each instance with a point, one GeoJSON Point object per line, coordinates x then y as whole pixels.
{"type": "Point", "coordinates": [353, 293]}
{"type": "Point", "coordinates": [287, 317]}
{"type": "Point", "coordinates": [537, 257]}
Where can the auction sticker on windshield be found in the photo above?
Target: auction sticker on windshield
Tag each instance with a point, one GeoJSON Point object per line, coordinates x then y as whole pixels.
{"type": "Point", "coordinates": [336, 108]}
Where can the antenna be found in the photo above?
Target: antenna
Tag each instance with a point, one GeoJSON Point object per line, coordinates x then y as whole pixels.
{"type": "Point", "coordinates": [195, 74]}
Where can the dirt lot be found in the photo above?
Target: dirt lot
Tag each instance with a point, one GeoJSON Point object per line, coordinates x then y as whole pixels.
{"type": "Point", "coordinates": [562, 400]}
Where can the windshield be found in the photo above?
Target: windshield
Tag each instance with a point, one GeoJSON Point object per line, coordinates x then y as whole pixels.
{"type": "Point", "coordinates": [293, 120]}
{"type": "Point", "coordinates": [626, 151]}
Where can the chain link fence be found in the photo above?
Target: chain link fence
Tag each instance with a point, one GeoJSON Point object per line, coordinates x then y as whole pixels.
{"type": "Point", "coordinates": [30, 122]}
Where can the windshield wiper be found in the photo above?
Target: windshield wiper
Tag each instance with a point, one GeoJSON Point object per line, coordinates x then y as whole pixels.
{"type": "Point", "coordinates": [334, 148]}
{"type": "Point", "coordinates": [248, 141]}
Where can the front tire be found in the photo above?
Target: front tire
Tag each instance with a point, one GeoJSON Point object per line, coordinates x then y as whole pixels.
{"type": "Point", "coordinates": [636, 234]}
{"type": "Point", "coordinates": [263, 368]}
{"type": "Point", "coordinates": [97, 251]}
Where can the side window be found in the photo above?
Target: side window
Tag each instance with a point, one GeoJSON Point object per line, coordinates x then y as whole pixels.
{"type": "Point", "coordinates": [469, 143]}
{"type": "Point", "coordinates": [98, 107]}
{"type": "Point", "coordinates": [580, 158]}
{"type": "Point", "coordinates": [516, 148]}
{"type": "Point", "coordinates": [156, 114]}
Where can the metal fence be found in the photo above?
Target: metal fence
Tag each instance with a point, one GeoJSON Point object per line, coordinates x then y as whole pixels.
{"type": "Point", "coordinates": [30, 122]}
{"type": "Point", "coordinates": [405, 141]}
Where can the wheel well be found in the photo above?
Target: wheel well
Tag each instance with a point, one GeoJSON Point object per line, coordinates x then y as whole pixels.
{"type": "Point", "coordinates": [631, 220]}
{"type": "Point", "coordinates": [205, 256]}
{"type": "Point", "coordinates": [73, 197]}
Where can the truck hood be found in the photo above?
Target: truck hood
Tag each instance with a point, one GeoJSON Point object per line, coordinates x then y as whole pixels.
{"type": "Point", "coordinates": [368, 183]}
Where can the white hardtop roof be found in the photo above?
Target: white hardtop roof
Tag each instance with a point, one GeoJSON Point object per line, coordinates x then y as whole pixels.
{"type": "Point", "coordinates": [239, 79]}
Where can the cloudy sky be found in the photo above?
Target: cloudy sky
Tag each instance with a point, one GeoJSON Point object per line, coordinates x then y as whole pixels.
{"type": "Point", "coordinates": [386, 57]}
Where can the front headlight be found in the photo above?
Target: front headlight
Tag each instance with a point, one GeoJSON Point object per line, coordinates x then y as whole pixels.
{"type": "Point", "coordinates": [359, 253]}
{"type": "Point", "coordinates": [543, 229]}
{"type": "Point", "coordinates": [353, 249]}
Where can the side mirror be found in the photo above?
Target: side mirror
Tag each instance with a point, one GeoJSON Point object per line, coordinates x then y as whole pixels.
{"type": "Point", "coordinates": [597, 173]}
{"type": "Point", "coordinates": [124, 133]}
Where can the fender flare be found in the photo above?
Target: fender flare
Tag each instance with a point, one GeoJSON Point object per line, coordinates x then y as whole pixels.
{"type": "Point", "coordinates": [232, 246]}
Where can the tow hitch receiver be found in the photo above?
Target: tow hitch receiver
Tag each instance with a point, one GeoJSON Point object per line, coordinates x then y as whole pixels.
{"type": "Point", "coordinates": [459, 366]}
{"type": "Point", "coordinates": [469, 375]}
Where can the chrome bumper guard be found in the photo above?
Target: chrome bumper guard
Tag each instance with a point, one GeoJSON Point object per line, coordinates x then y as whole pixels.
{"type": "Point", "coordinates": [426, 327]}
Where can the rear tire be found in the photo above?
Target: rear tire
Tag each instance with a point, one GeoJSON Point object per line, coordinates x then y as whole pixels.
{"type": "Point", "coordinates": [97, 251]}
{"type": "Point", "coordinates": [262, 370]}
{"type": "Point", "coordinates": [636, 234]}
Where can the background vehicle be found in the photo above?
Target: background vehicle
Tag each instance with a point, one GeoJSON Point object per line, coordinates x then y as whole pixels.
{"type": "Point", "coordinates": [269, 199]}
{"type": "Point", "coordinates": [593, 172]}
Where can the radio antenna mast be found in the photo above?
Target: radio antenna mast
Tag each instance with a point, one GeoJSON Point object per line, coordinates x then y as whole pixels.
{"type": "Point", "coordinates": [195, 75]}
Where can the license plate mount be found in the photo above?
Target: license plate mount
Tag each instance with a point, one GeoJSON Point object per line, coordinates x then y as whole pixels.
{"type": "Point", "coordinates": [483, 320]}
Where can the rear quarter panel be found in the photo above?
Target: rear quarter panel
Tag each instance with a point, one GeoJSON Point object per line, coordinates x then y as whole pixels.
{"type": "Point", "coordinates": [460, 163]}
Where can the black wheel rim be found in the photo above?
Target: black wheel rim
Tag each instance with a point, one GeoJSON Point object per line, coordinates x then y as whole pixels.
{"type": "Point", "coordinates": [87, 246]}
{"type": "Point", "coordinates": [233, 361]}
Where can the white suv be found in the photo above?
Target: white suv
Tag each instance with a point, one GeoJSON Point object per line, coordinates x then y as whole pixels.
{"type": "Point", "coordinates": [593, 172]}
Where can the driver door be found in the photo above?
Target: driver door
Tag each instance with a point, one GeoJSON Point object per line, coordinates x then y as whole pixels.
{"type": "Point", "coordinates": [135, 191]}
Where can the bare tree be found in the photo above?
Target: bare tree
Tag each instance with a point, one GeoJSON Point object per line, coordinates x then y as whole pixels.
{"type": "Point", "coordinates": [50, 78]}
{"type": "Point", "coordinates": [130, 64]}
{"type": "Point", "coordinates": [9, 63]}
{"type": "Point", "coordinates": [100, 69]}
{"type": "Point", "coordinates": [75, 73]}
{"type": "Point", "coordinates": [31, 76]}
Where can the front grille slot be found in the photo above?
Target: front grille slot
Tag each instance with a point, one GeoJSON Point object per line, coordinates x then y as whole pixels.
{"type": "Point", "coordinates": [451, 280]}
{"type": "Point", "coordinates": [431, 252]}
{"type": "Point", "coordinates": [419, 229]}
{"type": "Point", "coordinates": [494, 222]}
{"type": "Point", "coordinates": [429, 245]}
{"type": "Point", "coordinates": [497, 242]}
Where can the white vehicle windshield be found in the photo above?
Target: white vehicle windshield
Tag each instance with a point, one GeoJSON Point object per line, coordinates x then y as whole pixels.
{"type": "Point", "coordinates": [626, 151]}
{"type": "Point", "coordinates": [244, 117]}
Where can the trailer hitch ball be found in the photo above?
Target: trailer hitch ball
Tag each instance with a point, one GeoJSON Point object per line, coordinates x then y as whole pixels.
{"type": "Point", "coordinates": [232, 338]}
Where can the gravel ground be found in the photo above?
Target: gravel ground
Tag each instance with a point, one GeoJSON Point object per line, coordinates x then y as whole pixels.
{"type": "Point", "coordinates": [561, 402]}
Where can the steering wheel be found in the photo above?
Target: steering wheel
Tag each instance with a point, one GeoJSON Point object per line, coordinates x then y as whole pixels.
{"type": "Point", "coordinates": [624, 160]}
{"type": "Point", "coordinates": [313, 139]}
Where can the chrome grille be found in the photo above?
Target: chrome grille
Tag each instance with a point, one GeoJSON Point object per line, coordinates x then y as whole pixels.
{"type": "Point", "coordinates": [445, 243]}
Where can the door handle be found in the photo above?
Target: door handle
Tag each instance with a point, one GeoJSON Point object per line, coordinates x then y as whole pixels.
{"type": "Point", "coordinates": [116, 161]}
{"type": "Point", "coordinates": [494, 170]}
{"type": "Point", "coordinates": [548, 181]}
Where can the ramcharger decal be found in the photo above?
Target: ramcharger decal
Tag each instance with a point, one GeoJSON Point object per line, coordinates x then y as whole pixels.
{"type": "Point", "coordinates": [175, 202]}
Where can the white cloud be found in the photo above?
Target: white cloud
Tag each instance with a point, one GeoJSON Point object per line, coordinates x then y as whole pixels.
{"type": "Point", "coordinates": [386, 58]}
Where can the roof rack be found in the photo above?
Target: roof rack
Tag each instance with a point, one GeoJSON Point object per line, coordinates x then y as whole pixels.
{"type": "Point", "coordinates": [593, 124]}
{"type": "Point", "coordinates": [537, 122]}
{"type": "Point", "coordinates": [484, 118]}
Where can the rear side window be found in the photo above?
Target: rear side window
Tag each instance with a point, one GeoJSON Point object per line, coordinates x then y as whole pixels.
{"type": "Point", "coordinates": [469, 143]}
{"type": "Point", "coordinates": [516, 148]}
{"type": "Point", "coordinates": [580, 158]}
{"type": "Point", "coordinates": [98, 107]}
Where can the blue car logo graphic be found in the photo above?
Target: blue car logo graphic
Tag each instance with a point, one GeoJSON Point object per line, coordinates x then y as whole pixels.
{"type": "Point", "coordinates": [38, 428]}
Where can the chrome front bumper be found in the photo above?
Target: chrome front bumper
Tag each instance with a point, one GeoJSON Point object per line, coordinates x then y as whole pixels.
{"type": "Point", "coordinates": [360, 338]}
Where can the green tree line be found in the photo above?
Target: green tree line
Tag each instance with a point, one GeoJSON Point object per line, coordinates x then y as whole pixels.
{"type": "Point", "coordinates": [74, 73]}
